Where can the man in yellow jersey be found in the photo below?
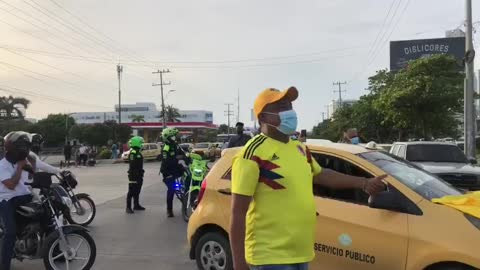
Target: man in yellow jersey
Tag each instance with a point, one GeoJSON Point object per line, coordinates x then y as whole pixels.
{"type": "Point", "coordinates": [273, 210]}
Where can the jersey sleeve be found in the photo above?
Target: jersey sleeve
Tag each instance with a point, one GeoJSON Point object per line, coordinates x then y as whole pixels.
{"type": "Point", "coordinates": [316, 169]}
{"type": "Point", "coordinates": [245, 173]}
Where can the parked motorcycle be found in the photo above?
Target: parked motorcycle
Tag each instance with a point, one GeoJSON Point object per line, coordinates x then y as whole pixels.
{"type": "Point", "coordinates": [197, 170]}
{"type": "Point", "coordinates": [83, 210]}
{"type": "Point", "coordinates": [41, 233]}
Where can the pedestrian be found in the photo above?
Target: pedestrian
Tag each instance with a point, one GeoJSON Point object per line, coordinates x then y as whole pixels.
{"type": "Point", "coordinates": [14, 174]}
{"type": "Point", "coordinates": [350, 136]}
{"type": "Point", "coordinates": [241, 138]}
{"type": "Point", "coordinates": [83, 154]}
{"type": "Point", "coordinates": [67, 153]}
{"type": "Point", "coordinates": [135, 175]}
{"type": "Point", "coordinates": [114, 151]}
{"type": "Point", "coordinates": [170, 167]}
{"type": "Point", "coordinates": [273, 210]}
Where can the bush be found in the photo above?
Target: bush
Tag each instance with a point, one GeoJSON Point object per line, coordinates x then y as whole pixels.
{"type": "Point", "coordinates": [105, 154]}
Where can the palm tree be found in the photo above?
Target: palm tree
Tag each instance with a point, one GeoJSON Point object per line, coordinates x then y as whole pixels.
{"type": "Point", "coordinates": [172, 114]}
{"type": "Point", "coordinates": [138, 118]}
{"type": "Point", "coordinates": [10, 107]}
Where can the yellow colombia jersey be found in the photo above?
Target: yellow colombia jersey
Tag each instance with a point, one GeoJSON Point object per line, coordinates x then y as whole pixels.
{"type": "Point", "coordinates": [280, 226]}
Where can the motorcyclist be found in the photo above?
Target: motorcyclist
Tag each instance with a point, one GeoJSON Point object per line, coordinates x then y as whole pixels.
{"type": "Point", "coordinates": [135, 174]}
{"type": "Point", "coordinates": [171, 168]}
{"type": "Point", "coordinates": [14, 173]}
{"type": "Point", "coordinates": [37, 143]}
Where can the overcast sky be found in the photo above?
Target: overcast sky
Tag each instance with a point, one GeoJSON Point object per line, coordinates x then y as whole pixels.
{"type": "Point", "coordinates": [212, 47]}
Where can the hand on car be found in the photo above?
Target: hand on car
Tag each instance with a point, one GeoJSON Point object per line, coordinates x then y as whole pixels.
{"type": "Point", "coordinates": [375, 185]}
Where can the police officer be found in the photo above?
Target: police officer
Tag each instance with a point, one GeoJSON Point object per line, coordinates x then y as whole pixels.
{"type": "Point", "coordinates": [170, 168]}
{"type": "Point", "coordinates": [135, 174]}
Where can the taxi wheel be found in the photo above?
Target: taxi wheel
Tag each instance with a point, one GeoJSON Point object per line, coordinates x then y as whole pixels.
{"type": "Point", "coordinates": [212, 252]}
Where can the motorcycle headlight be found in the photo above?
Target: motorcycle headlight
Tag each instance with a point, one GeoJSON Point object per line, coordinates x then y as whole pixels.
{"type": "Point", "coordinates": [197, 171]}
{"type": "Point", "coordinates": [474, 220]}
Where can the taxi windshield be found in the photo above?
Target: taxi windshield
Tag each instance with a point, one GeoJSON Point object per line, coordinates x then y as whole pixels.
{"type": "Point", "coordinates": [202, 145]}
{"type": "Point", "coordinates": [420, 181]}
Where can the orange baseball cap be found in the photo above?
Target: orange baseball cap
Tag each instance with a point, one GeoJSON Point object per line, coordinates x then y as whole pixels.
{"type": "Point", "coordinates": [272, 95]}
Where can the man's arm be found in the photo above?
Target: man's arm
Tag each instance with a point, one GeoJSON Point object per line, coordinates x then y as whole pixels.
{"type": "Point", "coordinates": [15, 179]}
{"type": "Point", "coordinates": [335, 180]}
{"type": "Point", "coordinates": [240, 204]}
{"type": "Point", "coordinates": [43, 166]}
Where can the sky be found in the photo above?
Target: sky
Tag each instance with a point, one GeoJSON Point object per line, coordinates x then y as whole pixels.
{"type": "Point", "coordinates": [62, 54]}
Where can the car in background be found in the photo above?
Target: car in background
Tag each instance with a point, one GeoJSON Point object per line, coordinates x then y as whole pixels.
{"type": "Point", "coordinates": [443, 159]}
{"type": "Point", "coordinates": [219, 146]}
{"type": "Point", "coordinates": [205, 149]}
{"type": "Point", "coordinates": [150, 151]}
{"type": "Point", "coordinates": [398, 229]}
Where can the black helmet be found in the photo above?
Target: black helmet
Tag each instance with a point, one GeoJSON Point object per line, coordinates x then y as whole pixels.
{"type": "Point", "coordinates": [37, 139]}
{"type": "Point", "coordinates": [18, 144]}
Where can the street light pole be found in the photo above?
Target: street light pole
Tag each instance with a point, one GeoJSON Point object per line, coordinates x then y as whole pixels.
{"type": "Point", "coordinates": [119, 72]}
{"type": "Point", "coordinates": [469, 111]}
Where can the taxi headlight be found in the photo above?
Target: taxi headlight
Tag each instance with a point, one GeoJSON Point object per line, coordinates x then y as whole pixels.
{"type": "Point", "coordinates": [474, 220]}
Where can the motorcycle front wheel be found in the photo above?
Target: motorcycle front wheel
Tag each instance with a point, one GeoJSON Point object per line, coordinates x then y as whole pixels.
{"type": "Point", "coordinates": [79, 253]}
{"type": "Point", "coordinates": [188, 208]}
{"type": "Point", "coordinates": [83, 210]}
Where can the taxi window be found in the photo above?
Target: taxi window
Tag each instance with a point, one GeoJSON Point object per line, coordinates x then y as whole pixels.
{"type": "Point", "coordinates": [345, 167]}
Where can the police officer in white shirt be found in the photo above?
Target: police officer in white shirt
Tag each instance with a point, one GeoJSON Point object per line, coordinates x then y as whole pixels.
{"type": "Point", "coordinates": [14, 173]}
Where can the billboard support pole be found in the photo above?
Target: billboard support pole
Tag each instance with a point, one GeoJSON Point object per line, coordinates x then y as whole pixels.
{"type": "Point", "coordinates": [469, 112]}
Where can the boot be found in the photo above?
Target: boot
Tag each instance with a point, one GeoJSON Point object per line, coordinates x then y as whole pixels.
{"type": "Point", "coordinates": [139, 207]}
{"type": "Point", "coordinates": [129, 210]}
{"type": "Point", "coordinates": [170, 214]}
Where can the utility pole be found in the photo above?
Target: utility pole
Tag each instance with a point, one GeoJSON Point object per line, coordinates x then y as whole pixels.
{"type": "Point", "coordinates": [339, 91]}
{"type": "Point", "coordinates": [161, 84]}
{"type": "Point", "coordinates": [119, 72]}
{"type": "Point", "coordinates": [238, 105]}
{"type": "Point", "coordinates": [469, 112]}
{"type": "Point", "coordinates": [228, 113]}
{"type": "Point", "coordinates": [323, 116]}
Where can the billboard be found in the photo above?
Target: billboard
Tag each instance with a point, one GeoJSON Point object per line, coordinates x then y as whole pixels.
{"type": "Point", "coordinates": [403, 51]}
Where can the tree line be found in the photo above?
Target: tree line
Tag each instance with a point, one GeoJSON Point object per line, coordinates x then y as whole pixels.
{"type": "Point", "coordinates": [423, 100]}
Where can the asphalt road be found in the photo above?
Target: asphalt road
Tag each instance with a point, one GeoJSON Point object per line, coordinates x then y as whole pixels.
{"type": "Point", "coordinates": [142, 241]}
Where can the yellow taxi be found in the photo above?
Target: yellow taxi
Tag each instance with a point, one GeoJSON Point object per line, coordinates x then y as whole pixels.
{"type": "Point", "coordinates": [150, 151]}
{"type": "Point", "coordinates": [398, 229]}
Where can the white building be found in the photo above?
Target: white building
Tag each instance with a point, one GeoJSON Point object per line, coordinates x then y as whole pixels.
{"type": "Point", "coordinates": [147, 110]}
{"type": "Point", "coordinates": [335, 104]}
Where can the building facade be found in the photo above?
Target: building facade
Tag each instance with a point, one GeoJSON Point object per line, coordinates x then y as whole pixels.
{"type": "Point", "coordinates": [335, 104]}
{"type": "Point", "coordinates": [145, 120]}
{"type": "Point", "coordinates": [148, 112]}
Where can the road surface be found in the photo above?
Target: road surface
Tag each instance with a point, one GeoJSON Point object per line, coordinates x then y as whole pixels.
{"type": "Point", "coordinates": [142, 241]}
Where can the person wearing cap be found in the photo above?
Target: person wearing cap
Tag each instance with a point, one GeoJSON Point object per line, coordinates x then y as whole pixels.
{"type": "Point", "coordinates": [273, 210]}
{"type": "Point", "coordinates": [240, 139]}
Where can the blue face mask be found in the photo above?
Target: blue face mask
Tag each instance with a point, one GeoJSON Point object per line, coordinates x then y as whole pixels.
{"type": "Point", "coordinates": [288, 122]}
{"type": "Point", "coordinates": [355, 140]}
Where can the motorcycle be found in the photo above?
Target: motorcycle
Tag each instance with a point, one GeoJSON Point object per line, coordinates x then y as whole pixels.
{"type": "Point", "coordinates": [83, 208]}
{"type": "Point", "coordinates": [197, 170]}
{"type": "Point", "coordinates": [41, 233]}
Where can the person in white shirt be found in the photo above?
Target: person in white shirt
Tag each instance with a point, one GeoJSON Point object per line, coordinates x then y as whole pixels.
{"type": "Point", "coordinates": [14, 173]}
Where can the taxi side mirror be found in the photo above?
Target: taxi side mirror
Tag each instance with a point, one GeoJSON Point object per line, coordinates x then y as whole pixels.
{"type": "Point", "coordinates": [395, 201]}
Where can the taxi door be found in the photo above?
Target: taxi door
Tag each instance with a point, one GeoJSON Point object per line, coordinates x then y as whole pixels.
{"type": "Point", "coordinates": [350, 235]}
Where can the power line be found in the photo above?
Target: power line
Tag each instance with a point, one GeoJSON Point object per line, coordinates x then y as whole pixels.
{"type": "Point", "coordinates": [61, 21]}
{"type": "Point", "coordinates": [381, 29]}
{"type": "Point", "coordinates": [51, 98]}
{"type": "Point", "coordinates": [89, 26]}
{"type": "Point", "coordinates": [383, 41]}
{"type": "Point", "coordinates": [65, 34]}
